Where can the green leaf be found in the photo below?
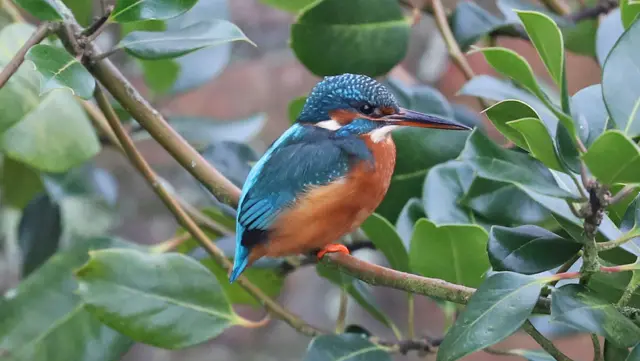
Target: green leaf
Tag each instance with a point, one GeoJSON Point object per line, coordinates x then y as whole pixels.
{"type": "Point", "coordinates": [135, 10]}
{"type": "Point", "coordinates": [165, 300]}
{"type": "Point", "coordinates": [409, 215]}
{"type": "Point", "coordinates": [30, 129]}
{"type": "Point", "coordinates": [60, 70]}
{"type": "Point", "coordinates": [635, 354]}
{"type": "Point", "coordinates": [402, 188]}
{"type": "Point", "coordinates": [547, 39]}
{"type": "Point", "coordinates": [470, 22]}
{"type": "Point", "coordinates": [201, 132]}
{"type": "Point", "coordinates": [525, 249]}
{"type": "Point", "coordinates": [631, 219]}
{"type": "Point", "coordinates": [444, 186]}
{"type": "Point", "coordinates": [609, 31]}
{"type": "Point", "coordinates": [19, 183]}
{"type": "Point", "coordinates": [333, 37]}
{"type": "Point", "coordinates": [496, 310]}
{"type": "Point", "coordinates": [39, 232]}
{"type": "Point", "coordinates": [629, 10]}
{"type": "Point", "coordinates": [493, 162]}
{"type": "Point", "coordinates": [512, 65]}
{"type": "Point", "coordinates": [617, 211]}
{"type": "Point", "coordinates": [508, 110]}
{"type": "Point", "coordinates": [357, 289]}
{"type": "Point", "coordinates": [582, 309]}
{"type": "Point", "coordinates": [621, 89]}
{"type": "Point", "coordinates": [345, 347]}
{"type": "Point", "coordinates": [381, 232]}
{"type": "Point", "coordinates": [44, 319]}
{"type": "Point", "coordinates": [455, 253]}
{"type": "Point", "coordinates": [539, 142]}
{"type": "Point", "coordinates": [613, 353]}
{"type": "Point", "coordinates": [232, 159]}
{"type": "Point", "coordinates": [41, 9]}
{"type": "Point", "coordinates": [295, 107]}
{"type": "Point", "coordinates": [269, 280]}
{"type": "Point", "coordinates": [614, 158]}
{"type": "Point", "coordinates": [293, 6]}
{"type": "Point", "coordinates": [160, 75]}
{"type": "Point", "coordinates": [82, 10]}
{"type": "Point", "coordinates": [172, 44]}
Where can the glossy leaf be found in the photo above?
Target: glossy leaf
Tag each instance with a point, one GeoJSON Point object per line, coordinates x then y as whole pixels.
{"type": "Point", "coordinates": [231, 159]}
{"type": "Point", "coordinates": [160, 75]}
{"type": "Point", "coordinates": [496, 310]}
{"type": "Point", "coordinates": [514, 66]}
{"type": "Point", "coordinates": [635, 354]}
{"type": "Point", "coordinates": [609, 32]}
{"type": "Point", "coordinates": [547, 39]}
{"type": "Point", "coordinates": [582, 309]}
{"type": "Point", "coordinates": [333, 37]}
{"type": "Point", "coordinates": [492, 162]}
{"type": "Point", "coordinates": [136, 10]}
{"type": "Point", "coordinates": [39, 232]}
{"type": "Point", "coordinates": [269, 280]}
{"type": "Point", "coordinates": [357, 289]}
{"type": "Point", "coordinates": [381, 232]}
{"type": "Point", "coordinates": [470, 22]}
{"type": "Point", "coordinates": [525, 249]}
{"type": "Point", "coordinates": [345, 347]}
{"type": "Point", "coordinates": [444, 186]}
{"type": "Point", "coordinates": [289, 5]}
{"type": "Point", "coordinates": [44, 319]}
{"type": "Point", "coordinates": [539, 142]}
{"type": "Point", "coordinates": [614, 353]}
{"type": "Point", "coordinates": [201, 132]}
{"type": "Point", "coordinates": [614, 158]}
{"type": "Point", "coordinates": [60, 70]}
{"type": "Point", "coordinates": [19, 183]}
{"type": "Point", "coordinates": [165, 300]}
{"type": "Point", "coordinates": [409, 215]}
{"type": "Point", "coordinates": [295, 107]}
{"type": "Point", "coordinates": [402, 188]}
{"type": "Point", "coordinates": [454, 253]}
{"type": "Point", "coordinates": [629, 10]}
{"type": "Point", "coordinates": [30, 130]}
{"type": "Point", "coordinates": [82, 11]}
{"type": "Point", "coordinates": [621, 89]}
{"type": "Point", "coordinates": [171, 44]}
{"type": "Point", "coordinates": [509, 110]}
{"type": "Point", "coordinates": [41, 9]}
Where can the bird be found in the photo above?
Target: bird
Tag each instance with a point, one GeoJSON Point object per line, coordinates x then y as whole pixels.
{"type": "Point", "coordinates": [326, 174]}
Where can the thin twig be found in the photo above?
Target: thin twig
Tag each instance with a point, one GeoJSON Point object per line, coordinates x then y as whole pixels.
{"type": "Point", "coordinates": [544, 342]}
{"type": "Point", "coordinates": [565, 267]}
{"type": "Point", "coordinates": [411, 314]}
{"type": "Point", "coordinates": [623, 193]}
{"type": "Point", "coordinates": [601, 8]}
{"type": "Point", "coordinates": [105, 54]}
{"type": "Point", "coordinates": [13, 11]}
{"type": "Point", "coordinates": [597, 351]}
{"type": "Point", "coordinates": [98, 26]}
{"type": "Point", "coordinates": [342, 311]}
{"type": "Point", "coordinates": [171, 244]}
{"type": "Point", "coordinates": [39, 35]}
{"type": "Point", "coordinates": [188, 223]}
{"type": "Point", "coordinates": [604, 246]}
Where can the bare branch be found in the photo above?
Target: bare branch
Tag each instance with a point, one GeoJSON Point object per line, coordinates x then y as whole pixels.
{"type": "Point", "coordinates": [544, 342]}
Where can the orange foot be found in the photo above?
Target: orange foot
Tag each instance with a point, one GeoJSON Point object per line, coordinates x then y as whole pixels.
{"type": "Point", "coordinates": [333, 248]}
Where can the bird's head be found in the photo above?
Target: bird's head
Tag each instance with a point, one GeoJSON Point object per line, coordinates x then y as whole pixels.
{"type": "Point", "coordinates": [358, 104]}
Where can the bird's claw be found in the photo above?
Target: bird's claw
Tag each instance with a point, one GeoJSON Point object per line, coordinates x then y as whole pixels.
{"type": "Point", "coordinates": [332, 248]}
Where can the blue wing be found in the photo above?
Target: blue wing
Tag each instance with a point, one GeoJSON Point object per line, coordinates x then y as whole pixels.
{"type": "Point", "coordinates": [304, 155]}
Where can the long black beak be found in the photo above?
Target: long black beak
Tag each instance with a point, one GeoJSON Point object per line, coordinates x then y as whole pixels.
{"type": "Point", "coordinates": [417, 119]}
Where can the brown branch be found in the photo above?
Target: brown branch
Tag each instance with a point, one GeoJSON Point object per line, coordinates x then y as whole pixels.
{"type": "Point", "coordinates": [544, 342]}
{"type": "Point", "coordinates": [601, 8]}
{"type": "Point", "coordinates": [187, 222]}
{"type": "Point", "coordinates": [39, 35]}
{"type": "Point", "coordinates": [557, 6]}
{"type": "Point", "coordinates": [623, 193]}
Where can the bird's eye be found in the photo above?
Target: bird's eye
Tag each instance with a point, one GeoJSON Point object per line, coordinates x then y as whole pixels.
{"type": "Point", "coordinates": [366, 109]}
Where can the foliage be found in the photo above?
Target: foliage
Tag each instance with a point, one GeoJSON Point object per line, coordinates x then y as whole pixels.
{"type": "Point", "coordinates": [497, 226]}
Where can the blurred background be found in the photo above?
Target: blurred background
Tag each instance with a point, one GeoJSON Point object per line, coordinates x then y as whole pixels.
{"type": "Point", "coordinates": [236, 82]}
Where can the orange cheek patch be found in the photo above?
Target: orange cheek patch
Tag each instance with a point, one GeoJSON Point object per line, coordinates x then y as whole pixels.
{"type": "Point", "coordinates": [387, 110]}
{"type": "Point", "coordinates": [343, 117]}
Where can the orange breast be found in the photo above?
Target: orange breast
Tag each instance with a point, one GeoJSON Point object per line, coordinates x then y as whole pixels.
{"type": "Point", "coordinates": [327, 213]}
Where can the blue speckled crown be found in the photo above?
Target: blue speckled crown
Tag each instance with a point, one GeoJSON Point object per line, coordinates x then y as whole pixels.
{"type": "Point", "coordinates": [344, 92]}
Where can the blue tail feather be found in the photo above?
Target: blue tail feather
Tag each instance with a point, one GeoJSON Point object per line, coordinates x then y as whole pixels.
{"type": "Point", "coordinates": [239, 262]}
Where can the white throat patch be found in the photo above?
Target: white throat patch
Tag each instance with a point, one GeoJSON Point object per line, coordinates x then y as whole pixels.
{"type": "Point", "coordinates": [328, 124]}
{"type": "Point", "coordinates": [381, 133]}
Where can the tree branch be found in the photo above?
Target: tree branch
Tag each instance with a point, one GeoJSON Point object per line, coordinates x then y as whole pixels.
{"type": "Point", "coordinates": [597, 352]}
{"type": "Point", "coordinates": [602, 7]}
{"type": "Point", "coordinates": [188, 223]}
{"type": "Point", "coordinates": [39, 35]}
{"type": "Point", "coordinates": [557, 6]}
{"type": "Point", "coordinates": [544, 342]}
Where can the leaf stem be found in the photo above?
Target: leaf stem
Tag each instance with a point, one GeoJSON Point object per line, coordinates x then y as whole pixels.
{"type": "Point", "coordinates": [411, 328]}
{"type": "Point", "coordinates": [597, 351]}
{"type": "Point", "coordinates": [633, 285]}
{"type": "Point", "coordinates": [342, 311]}
{"type": "Point", "coordinates": [604, 246]}
{"type": "Point", "coordinates": [171, 244]}
{"type": "Point", "coordinates": [546, 344]}
{"type": "Point", "coordinates": [187, 222]}
{"type": "Point", "coordinates": [39, 35]}
{"type": "Point", "coordinates": [565, 267]}
{"type": "Point", "coordinates": [623, 193]}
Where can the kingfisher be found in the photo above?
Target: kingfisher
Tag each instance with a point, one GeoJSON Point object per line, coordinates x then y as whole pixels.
{"type": "Point", "coordinates": [324, 175]}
